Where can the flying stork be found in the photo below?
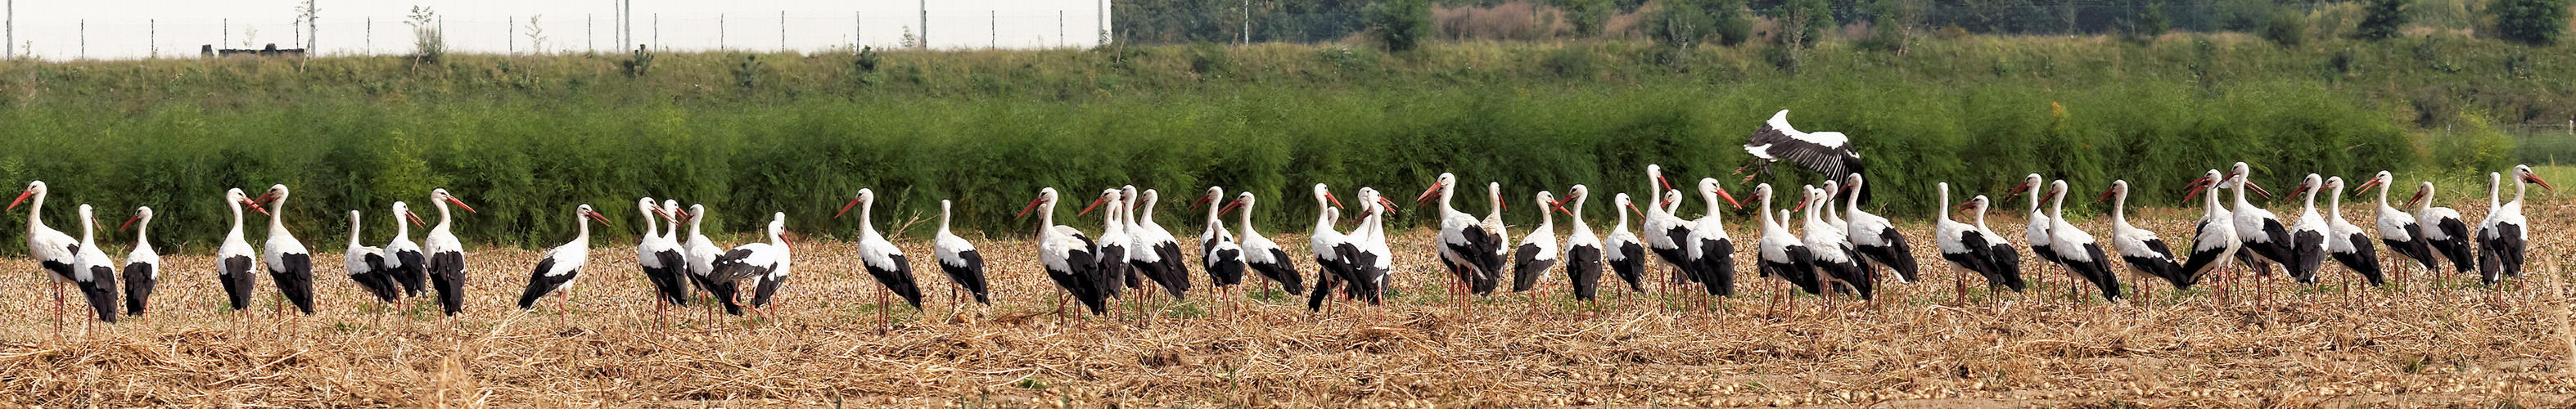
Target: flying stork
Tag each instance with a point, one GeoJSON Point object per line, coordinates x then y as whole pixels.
{"type": "Point", "coordinates": [142, 266]}
{"type": "Point", "coordinates": [1828, 153]}
{"type": "Point", "coordinates": [2347, 243]}
{"type": "Point", "coordinates": [959, 259]}
{"type": "Point", "coordinates": [1262, 255]}
{"type": "Point", "coordinates": [563, 263]}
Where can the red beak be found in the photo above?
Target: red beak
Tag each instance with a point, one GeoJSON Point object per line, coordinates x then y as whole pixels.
{"type": "Point", "coordinates": [1337, 200]}
{"type": "Point", "coordinates": [1389, 205]}
{"type": "Point", "coordinates": [1668, 183]}
{"type": "Point", "coordinates": [1730, 199]}
{"type": "Point", "coordinates": [2258, 189]}
{"type": "Point", "coordinates": [1633, 207]}
{"type": "Point", "coordinates": [2366, 185]}
{"type": "Point", "coordinates": [2419, 197]}
{"type": "Point", "coordinates": [1230, 205]}
{"type": "Point", "coordinates": [254, 206]}
{"type": "Point", "coordinates": [22, 197]}
{"type": "Point", "coordinates": [1560, 207]}
{"type": "Point", "coordinates": [845, 208]}
{"type": "Point", "coordinates": [1426, 194]}
{"type": "Point", "coordinates": [2192, 190]}
{"type": "Point", "coordinates": [2536, 179]}
{"type": "Point", "coordinates": [460, 204]}
{"type": "Point", "coordinates": [129, 222]}
{"type": "Point", "coordinates": [1033, 205]}
{"type": "Point", "coordinates": [1963, 206]}
{"type": "Point", "coordinates": [603, 220]}
{"type": "Point", "coordinates": [2106, 195]}
{"type": "Point", "coordinates": [415, 218]}
{"type": "Point", "coordinates": [1095, 203]}
{"type": "Point", "coordinates": [1201, 201]}
{"type": "Point", "coordinates": [2018, 189]}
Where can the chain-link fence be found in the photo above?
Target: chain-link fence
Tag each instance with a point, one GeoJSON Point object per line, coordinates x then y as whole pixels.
{"type": "Point", "coordinates": [58, 39]}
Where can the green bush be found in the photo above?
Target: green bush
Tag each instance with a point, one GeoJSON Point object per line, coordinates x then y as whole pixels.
{"type": "Point", "coordinates": [1678, 23]}
{"type": "Point", "coordinates": [2386, 19]}
{"type": "Point", "coordinates": [2286, 27]}
{"type": "Point", "coordinates": [1401, 24]}
{"type": "Point", "coordinates": [1588, 16]}
{"type": "Point", "coordinates": [2536, 22]}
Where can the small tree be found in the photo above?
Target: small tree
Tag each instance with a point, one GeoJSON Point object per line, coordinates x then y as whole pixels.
{"type": "Point", "coordinates": [536, 34]}
{"type": "Point", "coordinates": [1732, 26]}
{"type": "Point", "coordinates": [2157, 23]}
{"type": "Point", "coordinates": [1808, 18]}
{"type": "Point", "coordinates": [2287, 27]}
{"type": "Point", "coordinates": [1402, 24]}
{"type": "Point", "coordinates": [2385, 19]}
{"type": "Point", "coordinates": [1678, 22]}
{"type": "Point", "coordinates": [429, 43]}
{"type": "Point", "coordinates": [1588, 16]}
{"type": "Point", "coordinates": [2534, 22]}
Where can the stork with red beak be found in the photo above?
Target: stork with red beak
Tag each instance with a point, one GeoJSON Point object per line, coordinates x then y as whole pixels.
{"type": "Point", "coordinates": [1069, 257]}
{"type": "Point", "coordinates": [52, 249]}
{"type": "Point", "coordinates": [289, 264]}
{"type": "Point", "coordinates": [2503, 236]}
{"type": "Point", "coordinates": [446, 264]}
{"type": "Point", "coordinates": [142, 265]}
{"type": "Point", "coordinates": [882, 260]}
{"type": "Point", "coordinates": [563, 263]}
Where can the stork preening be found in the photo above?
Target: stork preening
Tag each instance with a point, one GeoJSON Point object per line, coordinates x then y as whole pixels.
{"type": "Point", "coordinates": [446, 264]}
{"type": "Point", "coordinates": [1875, 237]}
{"type": "Point", "coordinates": [754, 263]}
{"type": "Point", "coordinates": [2142, 249]}
{"type": "Point", "coordinates": [1664, 232]}
{"type": "Point", "coordinates": [701, 255]}
{"type": "Point", "coordinates": [1707, 247]}
{"type": "Point", "coordinates": [2444, 230]}
{"type": "Point", "coordinates": [1784, 254]}
{"type": "Point", "coordinates": [2307, 248]}
{"type": "Point", "coordinates": [93, 272]}
{"type": "Point", "coordinates": [2213, 239]}
{"type": "Point", "coordinates": [959, 260]}
{"type": "Point", "coordinates": [1828, 153]}
{"type": "Point", "coordinates": [1067, 255]}
{"type": "Point", "coordinates": [1262, 255]}
{"type": "Point", "coordinates": [1218, 254]}
{"type": "Point", "coordinates": [1625, 255]}
{"type": "Point", "coordinates": [289, 264]}
{"type": "Point", "coordinates": [2503, 236]}
{"type": "Point", "coordinates": [2347, 243]}
{"type": "Point", "coordinates": [142, 265]}
{"type": "Point", "coordinates": [235, 259]}
{"type": "Point", "coordinates": [403, 258]}
{"type": "Point", "coordinates": [561, 264]}
{"type": "Point", "coordinates": [1537, 252]}
{"type": "Point", "coordinates": [2083, 256]}
{"type": "Point", "coordinates": [52, 249]}
{"type": "Point", "coordinates": [1832, 247]}
{"type": "Point", "coordinates": [1466, 247]}
{"type": "Point", "coordinates": [766, 288]}
{"type": "Point", "coordinates": [882, 260]}
{"type": "Point", "coordinates": [366, 265]}
{"type": "Point", "coordinates": [1968, 250]}
{"type": "Point", "coordinates": [658, 254]}
{"type": "Point", "coordinates": [2398, 230]}
{"type": "Point", "coordinates": [2262, 231]}
{"type": "Point", "coordinates": [1582, 249]}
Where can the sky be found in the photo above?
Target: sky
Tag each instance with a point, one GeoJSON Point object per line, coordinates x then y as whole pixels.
{"type": "Point", "coordinates": [129, 29]}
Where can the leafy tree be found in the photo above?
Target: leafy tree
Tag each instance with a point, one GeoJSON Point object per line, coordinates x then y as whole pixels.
{"type": "Point", "coordinates": [1588, 15]}
{"type": "Point", "coordinates": [1810, 17]}
{"type": "Point", "coordinates": [1678, 22]}
{"type": "Point", "coordinates": [1401, 24]}
{"type": "Point", "coordinates": [1732, 25]}
{"type": "Point", "coordinates": [2534, 22]}
{"type": "Point", "coordinates": [2384, 20]}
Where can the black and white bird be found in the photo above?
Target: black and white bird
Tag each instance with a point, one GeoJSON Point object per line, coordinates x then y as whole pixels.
{"type": "Point", "coordinates": [446, 264]}
{"type": "Point", "coordinates": [53, 250]}
{"type": "Point", "coordinates": [1493, 224]}
{"type": "Point", "coordinates": [658, 255]}
{"type": "Point", "coordinates": [1707, 247]}
{"type": "Point", "coordinates": [755, 263]}
{"type": "Point", "coordinates": [2307, 248]}
{"type": "Point", "coordinates": [1537, 252]}
{"type": "Point", "coordinates": [2002, 255]}
{"type": "Point", "coordinates": [882, 260]}
{"type": "Point", "coordinates": [959, 260]}
{"type": "Point", "coordinates": [142, 265]}
{"type": "Point", "coordinates": [289, 264]}
{"type": "Point", "coordinates": [2145, 252]}
{"type": "Point", "coordinates": [562, 264]}
{"type": "Point", "coordinates": [1218, 254]}
{"type": "Point", "coordinates": [235, 259]}
{"type": "Point", "coordinates": [2263, 232]}
{"type": "Point", "coordinates": [1374, 264]}
{"type": "Point", "coordinates": [2083, 256]}
{"type": "Point", "coordinates": [1828, 153]}
{"type": "Point", "coordinates": [701, 255]}
{"type": "Point", "coordinates": [1156, 254]}
{"type": "Point", "coordinates": [366, 265]}
{"type": "Point", "coordinates": [1262, 255]}
{"type": "Point", "coordinates": [1966, 248]}
{"type": "Point", "coordinates": [766, 289]}
{"type": "Point", "coordinates": [2444, 230]}
{"type": "Point", "coordinates": [2035, 233]}
{"type": "Point", "coordinates": [2398, 230]}
{"type": "Point", "coordinates": [1583, 252]}
{"type": "Point", "coordinates": [403, 258]}
{"type": "Point", "coordinates": [93, 272]}
{"type": "Point", "coordinates": [2347, 243]}
{"type": "Point", "coordinates": [1784, 254]}
{"type": "Point", "coordinates": [1067, 255]}
{"type": "Point", "coordinates": [1831, 246]}
{"type": "Point", "coordinates": [2503, 236]}
{"type": "Point", "coordinates": [1621, 250]}
{"type": "Point", "coordinates": [1875, 237]}
{"type": "Point", "coordinates": [1664, 232]}
{"type": "Point", "coordinates": [1330, 247]}
{"type": "Point", "coordinates": [1114, 244]}
{"type": "Point", "coordinates": [1466, 248]}
{"type": "Point", "coordinates": [2213, 239]}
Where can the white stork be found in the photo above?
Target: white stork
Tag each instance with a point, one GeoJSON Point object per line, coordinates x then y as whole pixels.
{"type": "Point", "coordinates": [1583, 253]}
{"type": "Point", "coordinates": [2001, 254]}
{"type": "Point", "coordinates": [1466, 247]}
{"type": "Point", "coordinates": [658, 254]}
{"type": "Point", "coordinates": [2347, 243]}
{"type": "Point", "coordinates": [1707, 247]}
{"type": "Point", "coordinates": [1262, 255]}
{"type": "Point", "coordinates": [1493, 224]}
{"type": "Point", "coordinates": [1218, 254]}
{"type": "Point", "coordinates": [1828, 153]}
{"type": "Point", "coordinates": [1157, 254]}
{"type": "Point", "coordinates": [289, 264]}
{"type": "Point", "coordinates": [446, 264]}
{"type": "Point", "coordinates": [1664, 232]}
{"type": "Point", "coordinates": [142, 266]}
{"type": "Point", "coordinates": [562, 264]}
{"type": "Point", "coordinates": [93, 272]}
{"type": "Point", "coordinates": [2444, 230]}
{"type": "Point", "coordinates": [2213, 239]}
{"type": "Point", "coordinates": [1832, 246]}
{"type": "Point", "coordinates": [1067, 255]}
{"type": "Point", "coordinates": [2262, 231]}
{"type": "Point", "coordinates": [51, 248]}
{"type": "Point", "coordinates": [366, 265]}
{"type": "Point", "coordinates": [882, 259]}
{"type": "Point", "coordinates": [2083, 256]}
{"type": "Point", "coordinates": [1331, 248]}
{"type": "Point", "coordinates": [1537, 252]}
{"type": "Point", "coordinates": [1967, 249]}
{"type": "Point", "coordinates": [2503, 236]}
{"type": "Point", "coordinates": [959, 260]}
{"type": "Point", "coordinates": [1782, 253]}
{"type": "Point", "coordinates": [2035, 233]}
{"type": "Point", "coordinates": [2141, 248]}
{"type": "Point", "coordinates": [235, 259]}
{"type": "Point", "coordinates": [1833, 213]}
{"type": "Point", "coordinates": [1374, 264]}
{"type": "Point", "coordinates": [2397, 229]}
{"type": "Point", "coordinates": [767, 287]}
{"type": "Point", "coordinates": [701, 255]}
{"type": "Point", "coordinates": [1113, 245]}
{"type": "Point", "coordinates": [1875, 237]}
{"type": "Point", "coordinates": [753, 262]}
{"type": "Point", "coordinates": [2307, 247]}
{"type": "Point", "coordinates": [403, 259]}
{"type": "Point", "coordinates": [1625, 255]}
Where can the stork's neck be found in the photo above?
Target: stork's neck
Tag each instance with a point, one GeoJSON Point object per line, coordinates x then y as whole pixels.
{"type": "Point", "coordinates": [142, 232]}
{"type": "Point", "coordinates": [2519, 187]}
{"type": "Point", "coordinates": [1447, 191]}
{"type": "Point", "coordinates": [1323, 220]}
{"type": "Point", "coordinates": [695, 220]}
{"type": "Point", "coordinates": [1623, 217]}
{"type": "Point", "coordinates": [35, 223]}
{"type": "Point", "coordinates": [2237, 186]}
{"type": "Point", "coordinates": [1765, 211]}
{"type": "Point", "coordinates": [2212, 202]}
{"type": "Point", "coordinates": [652, 228]}
{"type": "Point", "coordinates": [1495, 198]}
{"type": "Point", "coordinates": [1247, 220]}
{"type": "Point", "coordinates": [2311, 200]}
{"type": "Point", "coordinates": [2034, 199]}
{"type": "Point", "coordinates": [277, 217]}
{"type": "Point", "coordinates": [237, 217]}
{"type": "Point", "coordinates": [88, 229]}
{"type": "Point", "coordinates": [1981, 218]}
{"type": "Point", "coordinates": [581, 233]}
{"type": "Point", "coordinates": [2426, 205]}
{"type": "Point", "coordinates": [1546, 219]}
{"type": "Point", "coordinates": [2057, 207]}
{"type": "Point", "coordinates": [943, 218]}
{"type": "Point", "coordinates": [353, 230]}
{"type": "Point", "coordinates": [2334, 204]}
{"type": "Point", "coordinates": [1577, 215]}
{"type": "Point", "coordinates": [2383, 194]}
{"type": "Point", "coordinates": [402, 230]}
{"type": "Point", "coordinates": [867, 221]}
{"type": "Point", "coordinates": [1146, 214]}
{"type": "Point", "coordinates": [1110, 218]}
{"type": "Point", "coordinates": [1046, 220]}
{"type": "Point", "coordinates": [2495, 186]}
{"type": "Point", "coordinates": [1944, 210]}
{"type": "Point", "coordinates": [442, 215]}
{"type": "Point", "coordinates": [1709, 196]}
{"type": "Point", "coordinates": [2120, 208]}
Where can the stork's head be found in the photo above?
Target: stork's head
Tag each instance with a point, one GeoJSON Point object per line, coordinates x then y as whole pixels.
{"type": "Point", "coordinates": [2424, 191]}
{"type": "Point", "coordinates": [2118, 188]}
{"type": "Point", "coordinates": [585, 211]}
{"type": "Point", "coordinates": [2033, 181]}
{"type": "Point", "coordinates": [2527, 175]}
{"type": "Point", "coordinates": [1046, 196]}
{"type": "Point", "coordinates": [865, 196]}
{"type": "Point", "coordinates": [34, 188]}
{"type": "Point", "coordinates": [2381, 179]}
{"type": "Point", "coordinates": [1708, 187]}
{"type": "Point", "coordinates": [1446, 181]}
{"type": "Point", "coordinates": [403, 211]}
{"type": "Point", "coordinates": [1324, 194]}
{"type": "Point", "coordinates": [141, 214]}
{"type": "Point", "coordinates": [441, 195]}
{"type": "Point", "coordinates": [1213, 193]}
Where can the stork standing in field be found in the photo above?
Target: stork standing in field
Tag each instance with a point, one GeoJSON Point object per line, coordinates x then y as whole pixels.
{"type": "Point", "coordinates": [403, 258]}
{"type": "Point", "coordinates": [701, 255]}
{"type": "Point", "coordinates": [1707, 247]}
{"type": "Point", "coordinates": [767, 286]}
{"type": "Point", "coordinates": [1832, 247]}
{"type": "Point", "coordinates": [562, 264]}
{"type": "Point", "coordinates": [93, 272]}
{"type": "Point", "coordinates": [1625, 255]}
{"type": "Point", "coordinates": [1964, 247]}
{"type": "Point", "coordinates": [2503, 236]}
{"type": "Point", "coordinates": [2348, 243]}
{"type": "Point", "coordinates": [1067, 255]}
{"type": "Point", "coordinates": [446, 264]}
{"type": "Point", "coordinates": [142, 266]}
{"type": "Point", "coordinates": [752, 262]}
{"type": "Point", "coordinates": [2142, 249]}
{"type": "Point", "coordinates": [2214, 239]}
{"type": "Point", "coordinates": [2083, 256]}
{"type": "Point", "coordinates": [1875, 237]}
{"type": "Point", "coordinates": [1582, 249]}
{"type": "Point", "coordinates": [879, 256]}
{"type": "Point", "coordinates": [234, 260]}
{"type": "Point", "coordinates": [52, 249]}
{"type": "Point", "coordinates": [289, 264]}
{"type": "Point", "coordinates": [1330, 247]}
{"type": "Point", "coordinates": [1828, 153]}
{"type": "Point", "coordinates": [658, 254]}
{"type": "Point", "coordinates": [1493, 223]}
{"type": "Point", "coordinates": [1537, 252]}
{"type": "Point", "coordinates": [1664, 232]}
{"type": "Point", "coordinates": [1374, 265]}
{"type": "Point", "coordinates": [366, 265]}
{"type": "Point", "coordinates": [2397, 229]}
{"type": "Point", "coordinates": [1465, 244]}
{"type": "Point", "coordinates": [2006, 260]}
{"type": "Point", "coordinates": [959, 260]}
{"type": "Point", "coordinates": [1113, 245]}
{"type": "Point", "coordinates": [1783, 254]}
{"type": "Point", "coordinates": [2444, 230]}
{"type": "Point", "coordinates": [2307, 248]}
{"type": "Point", "coordinates": [1218, 254]}
{"type": "Point", "coordinates": [2035, 233]}
{"type": "Point", "coordinates": [2262, 231]}
{"type": "Point", "coordinates": [1262, 255]}
{"type": "Point", "coordinates": [1156, 254]}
